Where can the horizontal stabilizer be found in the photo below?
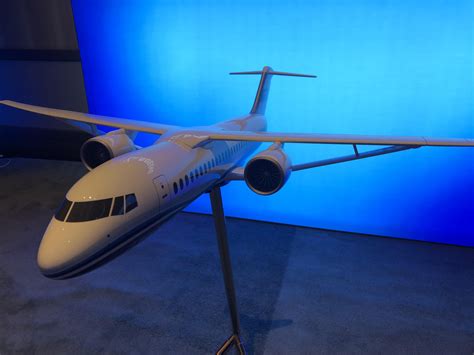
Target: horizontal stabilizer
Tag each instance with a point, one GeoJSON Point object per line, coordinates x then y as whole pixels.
{"type": "Point", "coordinates": [260, 102]}
{"type": "Point", "coordinates": [272, 72]}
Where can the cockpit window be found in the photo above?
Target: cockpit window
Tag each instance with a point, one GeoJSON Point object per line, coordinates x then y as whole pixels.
{"type": "Point", "coordinates": [61, 213]}
{"type": "Point", "coordinates": [118, 206]}
{"type": "Point", "coordinates": [131, 202]}
{"type": "Point", "coordinates": [89, 210]}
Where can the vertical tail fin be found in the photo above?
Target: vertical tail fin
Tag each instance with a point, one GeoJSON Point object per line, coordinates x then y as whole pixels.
{"type": "Point", "coordinates": [261, 97]}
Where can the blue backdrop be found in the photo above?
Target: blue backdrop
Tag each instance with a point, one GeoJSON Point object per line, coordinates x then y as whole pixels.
{"type": "Point", "coordinates": [385, 67]}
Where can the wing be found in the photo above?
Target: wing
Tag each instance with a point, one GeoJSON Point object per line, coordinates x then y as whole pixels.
{"type": "Point", "coordinates": [334, 139]}
{"type": "Point", "coordinates": [131, 125]}
{"type": "Point", "coordinates": [396, 144]}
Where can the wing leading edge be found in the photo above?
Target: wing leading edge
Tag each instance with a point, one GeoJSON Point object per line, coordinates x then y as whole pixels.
{"type": "Point", "coordinates": [317, 138]}
{"type": "Point", "coordinates": [205, 136]}
{"type": "Point", "coordinates": [131, 125]}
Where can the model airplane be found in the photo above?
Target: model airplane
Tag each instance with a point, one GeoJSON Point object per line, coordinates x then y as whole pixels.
{"type": "Point", "coordinates": [129, 191]}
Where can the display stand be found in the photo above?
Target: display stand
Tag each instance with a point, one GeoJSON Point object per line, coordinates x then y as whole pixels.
{"type": "Point", "coordinates": [221, 232]}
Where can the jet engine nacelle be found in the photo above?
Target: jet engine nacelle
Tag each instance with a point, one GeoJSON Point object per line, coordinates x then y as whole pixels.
{"type": "Point", "coordinates": [98, 150]}
{"type": "Point", "coordinates": [268, 171]}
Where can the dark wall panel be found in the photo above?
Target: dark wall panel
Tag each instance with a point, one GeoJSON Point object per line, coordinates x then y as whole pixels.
{"type": "Point", "coordinates": [40, 64]}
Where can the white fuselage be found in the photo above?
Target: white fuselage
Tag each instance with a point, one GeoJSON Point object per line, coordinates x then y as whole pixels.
{"type": "Point", "coordinates": [118, 203]}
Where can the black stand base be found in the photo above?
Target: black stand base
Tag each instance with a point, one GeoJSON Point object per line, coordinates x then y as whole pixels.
{"type": "Point", "coordinates": [221, 231]}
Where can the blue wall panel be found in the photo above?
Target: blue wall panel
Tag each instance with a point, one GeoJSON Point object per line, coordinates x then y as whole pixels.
{"type": "Point", "coordinates": [385, 67]}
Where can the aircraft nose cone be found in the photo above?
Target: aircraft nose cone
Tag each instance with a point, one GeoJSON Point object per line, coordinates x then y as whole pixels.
{"type": "Point", "coordinates": [50, 259]}
{"type": "Point", "coordinates": [54, 255]}
{"type": "Point", "coordinates": [63, 247]}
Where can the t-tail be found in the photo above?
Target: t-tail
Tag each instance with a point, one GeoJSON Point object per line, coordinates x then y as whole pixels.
{"type": "Point", "coordinates": [261, 97]}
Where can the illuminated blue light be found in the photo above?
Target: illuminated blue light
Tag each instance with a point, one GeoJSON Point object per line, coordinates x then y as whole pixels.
{"type": "Point", "coordinates": [384, 67]}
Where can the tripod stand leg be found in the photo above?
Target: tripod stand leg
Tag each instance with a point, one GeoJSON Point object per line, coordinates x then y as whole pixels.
{"type": "Point", "coordinates": [226, 265]}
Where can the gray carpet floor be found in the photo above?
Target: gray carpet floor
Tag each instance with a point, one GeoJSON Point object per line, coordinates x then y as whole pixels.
{"type": "Point", "coordinates": [300, 290]}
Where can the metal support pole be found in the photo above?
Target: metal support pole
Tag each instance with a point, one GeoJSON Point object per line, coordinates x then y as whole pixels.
{"type": "Point", "coordinates": [226, 265]}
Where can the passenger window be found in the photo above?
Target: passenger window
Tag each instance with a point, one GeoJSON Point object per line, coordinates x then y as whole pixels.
{"type": "Point", "coordinates": [200, 170]}
{"type": "Point", "coordinates": [61, 213]}
{"type": "Point", "coordinates": [175, 187]}
{"type": "Point", "coordinates": [208, 165]}
{"type": "Point", "coordinates": [196, 173]}
{"type": "Point", "coordinates": [131, 202]}
{"type": "Point", "coordinates": [186, 179]}
{"type": "Point", "coordinates": [118, 206]}
{"type": "Point", "coordinates": [181, 185]}
{"type": "Point", "coordinates": [192, 176]}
